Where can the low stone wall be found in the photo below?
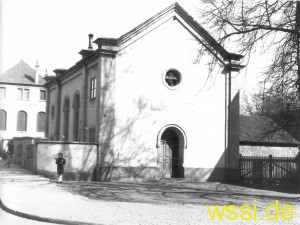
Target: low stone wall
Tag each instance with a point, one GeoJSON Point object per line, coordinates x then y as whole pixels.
{"type": "Point", "coordinates": [80, 158]}
{"type": "Point", "coordinates": [39, 155]}
{"type": "Point", "coordinates": [247, 150]}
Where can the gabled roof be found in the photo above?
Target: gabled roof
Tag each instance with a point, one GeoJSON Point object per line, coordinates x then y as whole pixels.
{"type": "Point", "coordinates": [263, 130]}
{"type": "Point", "coordinates": [21, 73]}
{"type": "Point", "coordinates": [174, 11]}
{"type": "Point", "coordinates": [178, 11]}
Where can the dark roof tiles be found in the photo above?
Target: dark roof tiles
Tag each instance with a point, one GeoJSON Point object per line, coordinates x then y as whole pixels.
{"type": "Point", "coordinates": [264, 129]}
{"type": "Point", "coordinates": [21, 73]}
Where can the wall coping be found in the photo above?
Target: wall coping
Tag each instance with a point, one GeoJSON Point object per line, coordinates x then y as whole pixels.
{"type": "Point", "coordinates": [28, 137]}
{"type": "Point", "coordinates": [268, 144]}
{"type": "Point", "coordinates": [64, 142]}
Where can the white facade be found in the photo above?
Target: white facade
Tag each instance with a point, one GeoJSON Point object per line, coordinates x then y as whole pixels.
{"type": "Point", "coordinates": [138, 117]}
{"type": "Point", "coordinates": [31, 103]}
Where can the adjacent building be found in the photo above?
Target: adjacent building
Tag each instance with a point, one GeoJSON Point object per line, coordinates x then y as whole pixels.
{"type": "Point", "coordinates": [277, 134]}
{"type": "Point", "coordinates": [149, 102]}
{"type": "Point", "coordinates": [22, 103]}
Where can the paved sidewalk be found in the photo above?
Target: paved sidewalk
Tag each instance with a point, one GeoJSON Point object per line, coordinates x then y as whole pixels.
{"type": "Point", "coordinates": [36, 197]}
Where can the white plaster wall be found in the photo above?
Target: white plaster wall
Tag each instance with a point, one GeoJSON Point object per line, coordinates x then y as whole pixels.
{"type": "Point", "coordinates": [12, 106]}
{"type": "Point", "coordinates": [79, 157]}
{"type": "Point", "coordinates": [144, 105]}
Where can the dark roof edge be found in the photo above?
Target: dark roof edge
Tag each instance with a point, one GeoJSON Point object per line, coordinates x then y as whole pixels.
{"type": "Point", "coordinates": [175, 7]}
{"type": "Point", "coordinates": [21, 84]}
{"type": "Point", "coordinates": [64, 72]}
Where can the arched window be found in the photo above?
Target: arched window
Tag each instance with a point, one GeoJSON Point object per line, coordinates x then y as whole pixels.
{"type": "Point", "coordinates": [2, 120]}
{"type": "Point", "coordinates": [52, 112]}
{"type": "Point", "coordinates": [66, 109]}
{"type": "Point", "coordinates": [22, 121]}
{"type": "Point", "coordinates": [41, 122]}
{"type": "Point", "coordinates": [76, 106]}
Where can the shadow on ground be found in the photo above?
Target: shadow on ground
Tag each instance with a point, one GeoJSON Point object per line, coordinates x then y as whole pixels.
{"type": "Point", "coordinates": [212, 193]}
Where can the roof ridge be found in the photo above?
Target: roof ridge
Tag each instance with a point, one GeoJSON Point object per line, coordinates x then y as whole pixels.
{"type": "Point", "coordinates": [214, 47]}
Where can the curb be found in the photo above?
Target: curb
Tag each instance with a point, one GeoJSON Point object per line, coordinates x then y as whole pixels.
{"type": "Point", "coordinates": [42, 219]}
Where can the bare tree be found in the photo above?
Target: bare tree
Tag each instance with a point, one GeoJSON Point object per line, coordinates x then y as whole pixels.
{"type": "Point", "coordinates": [266, 103]}
{"type": "Point", "coordinates": [254, 25]}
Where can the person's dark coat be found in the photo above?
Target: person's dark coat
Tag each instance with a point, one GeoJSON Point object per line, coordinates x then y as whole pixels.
{"type": "Point", "coordinates": [60, 165]}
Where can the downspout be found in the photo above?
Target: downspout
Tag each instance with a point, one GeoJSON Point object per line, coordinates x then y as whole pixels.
{"type": "Point", "coordinates": [226, 124]}
{"type": "Point", "coordinates": [229, 119]}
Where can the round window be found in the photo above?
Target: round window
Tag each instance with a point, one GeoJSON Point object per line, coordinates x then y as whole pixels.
{"type": "Point", "coordinates": [172, 78]}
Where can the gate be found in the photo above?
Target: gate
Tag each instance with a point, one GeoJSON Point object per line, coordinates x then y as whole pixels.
{"type": "Point", "coordinates": [269, 170]}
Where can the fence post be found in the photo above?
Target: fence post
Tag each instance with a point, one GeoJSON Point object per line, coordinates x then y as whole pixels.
{"type": "Point", "coordinates": [240, 167]}
{"type": "Point", "coordinates": [270, 169]}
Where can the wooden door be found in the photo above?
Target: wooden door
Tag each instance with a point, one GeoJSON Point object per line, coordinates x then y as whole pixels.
{"type": "Point", "coordinates": [166, 166]}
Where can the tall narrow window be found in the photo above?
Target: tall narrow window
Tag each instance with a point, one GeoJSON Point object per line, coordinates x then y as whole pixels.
{"type": "Point", "coordinates": [2, 92]}
{"type": "Point", "coordinates": [22, 121]}
{"type": "Point", "coordinates": [52, 112]}
{"type": "Point", "coordinates": [93, 88]}
{"type": "Point", "coordinates": [42, 95]}
{"type": "Point", "coordinates": [2, 120]}
{"type": "Point", "coordinates": [92, 134]}
{"type": "Point", "coordinates": [20, 93]}
{"type": "Point", "coordinates": [41, 122]}
{"type": "Point", "coordinates": [76, 106]}
{"type": "Point", "coordinates": [26, 94]}
{"type": "Point", "coordinates": [66, 109]}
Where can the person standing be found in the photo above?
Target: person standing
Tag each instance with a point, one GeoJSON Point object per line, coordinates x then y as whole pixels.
{"type": "Point", "coordinates": [60, 161]}
{"type": "Point", "coordinates": [9, 153]}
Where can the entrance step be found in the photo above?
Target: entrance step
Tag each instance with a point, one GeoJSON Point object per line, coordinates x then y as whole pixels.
{"type": "Point", "coordinates": [173, 180]}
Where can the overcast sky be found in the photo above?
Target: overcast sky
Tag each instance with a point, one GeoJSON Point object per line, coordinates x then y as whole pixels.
{"type": "Point", "coordinates": [54, 31]}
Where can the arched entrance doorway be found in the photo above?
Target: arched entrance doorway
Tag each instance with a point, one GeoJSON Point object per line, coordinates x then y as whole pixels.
{"type": "Point", "coordinates": [171, 153]}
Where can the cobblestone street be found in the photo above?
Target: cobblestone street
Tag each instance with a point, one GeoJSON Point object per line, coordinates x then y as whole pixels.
{"type": "Point", "coordinates": [132, 203]}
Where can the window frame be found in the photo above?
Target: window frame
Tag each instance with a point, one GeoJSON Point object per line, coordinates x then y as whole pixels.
{"type": "Point", "coordinates": [4, 119]}
{"type": "Point", "coordinates": [25, 122]}
{"type": "Point", "coordinates": [45, 94]}
{"type": "Point", "coordinates": [175, 87]}
{"type": "Point", "coordinates": [38, 123]}
{"type": "Point", "coordinates": [93, 88]}
{"type": "Point", "coordinates": [21, 96]}
{"type": "Point", "coordinates": [4, 92]}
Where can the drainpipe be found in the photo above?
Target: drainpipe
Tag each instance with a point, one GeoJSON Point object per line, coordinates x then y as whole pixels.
{"type": "Point", "coordinates": [229, 119]}
{"type": "Point", "coordinates": [227, 154]}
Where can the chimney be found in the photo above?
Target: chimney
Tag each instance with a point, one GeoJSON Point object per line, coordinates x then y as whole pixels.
{"type": "Point", "coordinates": [46, 73]}
{"type": "Point", "coordinates": [90, 41]}
{"type": "Point", "coordinates": [37, 73]}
